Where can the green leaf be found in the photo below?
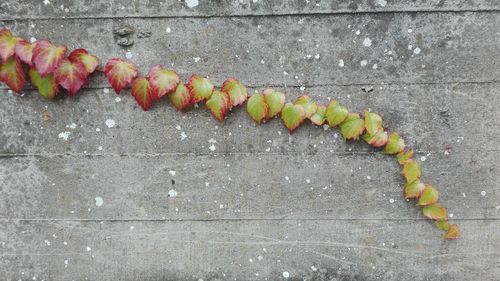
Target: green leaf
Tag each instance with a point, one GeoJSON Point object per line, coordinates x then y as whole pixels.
{"type": "Point", "coordinates": [429, 196]}
{"type": "Point", "coordinates": [257, 108]}
{"type": "Point", "coordinates": [352, 127]}
{"type": "Point", "coordinates": [46, 86]}
{"type": "Point", "coordinates": [373, 122]}
{"type": "Point", "coordinates": [181, 97]}
{"type": "Point", "coordinates": [319, 117]}
{"type": "Point", "coordinates": [237, 92]}
{"type": "Point", "coordinates": [201, 88]}
{"type": "Point", "coordinates": [395, 144]}
{"type": "Point", "coordinates": [335, 113]}
{"type": "Point", "coordinates": [435, 212]}
{"type": "Point", "coordinates": [310, 107]}
{"type": "Point", "coordinates": [275, 101]}
{"type": "Point", "coordinates": [219, 104]}
{"type": "Point", "coordinates": [442, 224]}
{"type": "Point", "coordinates": [453, 232]}
{"type": "Point", "coordinates": [379, 139]}
{"type": "Point", "coordinates": [292, 116]}
{"type": "Point", "coordinates": [404, 156]}
{"type": "Point", "coordinates": [411, 171]}
{"type": "Point", "coordinates": [414, 189]}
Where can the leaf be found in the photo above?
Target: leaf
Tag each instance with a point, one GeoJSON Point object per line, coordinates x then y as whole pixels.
{"type": "Point", "coordinates": [47, 57]}
{"type": "Point", "coordinates": [163, 81]}
{"type": "Point", "coordinates": [352, 127]}
{"type": "Point", "coordinates": [435, 212]}
{"type": "Point", "coordinates": [237, 92]}
{"type": "Point", "coordinates": [319, 117]}
{"type": "Point", "coordinates": [7, 44]}
{"type": "Point", "coordinates": [275, 101]}
{"type": "Point", "coordinates": [404, 156]}
{"type": "Point", "coordinates": [395, 144]}
{"type": "Point", "coordinates": [120, 73]}
{"type": "Point", "coordinates": [181, 97]}
{"type": "Point", "coordinates": [142, 92]}
{"type": "Point", "coordinates": [442, 224]}
{"type": "Point", "coordinates": [413, 189]}
{"type": "Point", "coordinates": [257, 107]}
{"type": "Point", "coordinates": [411, 171]}
{"type": "Point", "coordinates": [453, 232]}
{"type": "Point", "coordinates": [310, 107]}
{"type": "Point", "coordinates": [292, 115]}
{"type": "Point", "coordinates": [428, 196]}
{"type": "Point", "coordinates": [47, 86]}
{"type": "Point", "coordinates": [201, 88]}
{"type": "Point", "coordinates": [219, 104]}
{"type": "Point", "coordinates": [377, 140]}
{"type": "Point", "coordinates": [12, 73]}
{"type": "Point", "coordinates": [335, 113]}
{"type": "Point", "coordinates": [71, 76]}
{"type": "Point", "coordinates": [373, 122]}
{"type": "Point", "coordinates": [24, 51]}
{"type": "Point", "coordinates": [89, 61]}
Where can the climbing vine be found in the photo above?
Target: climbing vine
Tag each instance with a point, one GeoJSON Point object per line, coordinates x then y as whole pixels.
{"type": "Point", "coordinates": [49, 69]}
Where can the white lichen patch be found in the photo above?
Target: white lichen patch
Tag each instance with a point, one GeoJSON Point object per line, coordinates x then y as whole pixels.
{"type": "Point", "coordinates": [64, 135]}
{"type": "Point", "coordinates": [192, 3]}
{"type": "Point", "coordinates": [367, 42]}
{"type": "Point", "coordinates": [99, 201]}
{"type": "Point", "coordinates": [172, 193]}
{"type": "Point", "coordinates": [110, 123]}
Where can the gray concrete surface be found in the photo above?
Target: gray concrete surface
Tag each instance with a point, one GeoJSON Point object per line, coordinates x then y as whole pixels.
{"type": "Point", "coordinates": [147, 199]}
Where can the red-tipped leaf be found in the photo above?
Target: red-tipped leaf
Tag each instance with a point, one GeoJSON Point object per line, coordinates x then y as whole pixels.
{"type": "Point", "coordinates": [89, 61]}
{"type": "Point", "coordinates": [120, 73]}
{"type": "Point", "coordinates": [47, 56]}
{"type": "Point", "coordinates": [12, 73]}
{"type": "Point", "coordinates": [142, 92]}
{"type": "Point", "coordinates": [71, 76]}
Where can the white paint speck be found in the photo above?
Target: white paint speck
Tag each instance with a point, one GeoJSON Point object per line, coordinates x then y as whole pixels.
{"type": "Point", "coordinates": [192, 3]}
{"type": "Point", "coordinates": [172, 193]}
{"type": "Point", "coordinates": [118, 99]}
{"type": "Point", "coordinates": [99, 201]}
{"type": "Point", "coordinates": [363, 63]}
{"type": "Point", "coordinates": [410, 47]}
{"type": "Point", "coordinates": [169, 30]}
{"type": "Point", "coordinates": [183, 136]}
{"type": "Point", "coordinates": [286, 274]}
{"type": "Point", "coordinates": [172, 173]}
{"type": "Point", "coordinates": [417, 51]}
{"type": "Point", "coordinates": [110, 123]}
{"type": "Point", "coordinates": [46, 2]}
{"type": "Point", "coordinates": [88, 249]}
{"type": "Point", "coordinates": [391, 200]}
{"type": "Point", "coordinates": [105, 90]}
{"type": "Point", "coordinates": [97, 129]}
{"type": "Point", "coordinates": [381, 3]}
{"type": "Point", "coordinates": [422, 158]}
{"type": "Point", "coordinates": [341, 63]}
{"type": "Point", "coordinates": [358, 32]}
{"type": "Point", "coordinates": [196, 59]}
{"type": "Point", "coordinates": [375, 66]}
{"type": "Point", "coordinates": [32, 40]}
{"type": "Point", "coordinates": [483, 193]}
{"type": "Point", "coordinates": [368, 177]}
{"type": "Point", "coordinates": [72, 126]}
{"type": "Point", "coordinates": [129, 55]}
{"type": "Point", "coordinates": [410, 30]}
{"type": "Point", "coordinates": [367, 42]}
{"type": "Point", "coordinates": [212, 147]}
{"type": "Point", "coordinates": [64, 135]}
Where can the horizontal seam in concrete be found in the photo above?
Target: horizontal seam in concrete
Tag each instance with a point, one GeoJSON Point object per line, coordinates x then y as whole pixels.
{"type": "Point", "coordinates": [308, 14]}
{"type": "Point", "coordinates": [230, 219]}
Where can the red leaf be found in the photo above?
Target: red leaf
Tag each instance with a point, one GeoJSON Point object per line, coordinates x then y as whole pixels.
{"type": "Point", "coordinates": [120, 73]}
{"type": "Point", "coordinates": [24, 51]}
{"type": "Point", "coordinates": [7, 44]}
{"type": "Point", "coordinates": [163, 81]}
{"type": "Point", "coordinates": [47, 57]}
{"type": "Point", "coordinates": [89, 61]}
{"type": "Point", "coordinates": [142, 92]}
{"type": "Point", "coordinates": [12, 73]}
{"type": "Point", "coordinates": [71, 75]}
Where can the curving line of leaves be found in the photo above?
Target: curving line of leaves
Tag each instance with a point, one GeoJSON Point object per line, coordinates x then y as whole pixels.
{"type": "Point", "coordinates": [48, 68]}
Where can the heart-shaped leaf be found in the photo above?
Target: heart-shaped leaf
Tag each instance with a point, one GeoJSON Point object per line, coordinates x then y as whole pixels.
{"type": "Point", "coordinates": [435, 212]}
{"type": "Point", "coordinates": [237, 92]}
{"type": "Point", "coordinates": [335, 113]}
{"type": "Point", "coordinates": [275, 101]}
{"type": "Point", "coordinates": [310, 107]}
{"type": "Point", "coordinates": [120, 73]}
{"type": "Point", "coordinates": [379, 139]}
{"type": "Point", "coordinates": [89, 61]}
{"type": "Point", "coordinates": [442, 224]}
{"type": "Point", "coordinates": [163, 81]}
{"type": "Point", "coordinates": [257, 107]}
{"type": "Point", "coordinates": [181, 97]}
{"type": "Point", "coordinates": [411, 171]}
{"type": "Point", "coordinates": [142, 91]}
{"type": "Point", "coordinates": [71, 76]}
{"type": "Point", "coordinates": [352, 127]}
{"type": "Point", "coordinates": [428, 196]}
{"type": "Point", "coordinates": [292, 115]}
{"type": "Point", "coordinates": [7, 44]}
{"type": "Point", "coordinates": [414, 189]}
{"type": "Point", "coordinates": [47, 57]}
{"type": "Point", "coordinates": [24, 51]}
{"type": "Point", "coordinates": [219, 104]}
{"type": "Point", "coordinates": [46, 86]}
{"type": "Point", "coordinates": [319, 117]}
{"type": "Point", "coordinates": [404, 156]}
{"type": "Point", "coordinates": [373, 122]}
{"type": "Point", "coordinates": [12, 73]}
{"type": "Point", "coordinates": [201, 88]}
{"type": "Point", "coordinates": [395, 144]}
{"type": "Point", "coordinates": [453, 232]}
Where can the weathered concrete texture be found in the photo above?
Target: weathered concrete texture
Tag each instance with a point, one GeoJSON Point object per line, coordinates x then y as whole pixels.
{"type": "Point", "coordinates": [93, 188]}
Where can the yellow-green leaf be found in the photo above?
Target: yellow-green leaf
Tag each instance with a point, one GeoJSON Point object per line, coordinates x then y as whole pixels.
{"type": "Point", "coordinates": [404, 156]}
{"type": "Point", "coordinates": [309, 105]}
{"type": "Point", "coordinates": [435, 212]}
{"type": "Point", "coordinates": [275, 101]}
{"type": "Point", "coordinates": [414, 189]}
{"type": "Point", "coordinates": [411, 171]}
{"type": "Point", "coordinates": [395, 144]}
{"type": "Point", "coordinates": [46, 86]}
{"type": "Point", "coordinates": [181, 97]}
{"type": "Point", "coordinates": [379, 139]}
{"type": "Point", "coordinates": [257, 108]}
{"type": "Point", "coordinates": [319, 117]}
{"type": "Point", "coordinates": [442, 224]}
{"type": "Point", "coordinates": [219, 104]}
{"type": "Point", "coordinates": [373, 122]}
{"type": "Point", "coordinates": [429, 196]}
{"type": "Point", "coordinates": [453, 232]}
{"type": "Point", "coordinates": [352, 127]}
{"type": "Point", "coordinates": [201, 88]}
{"type": "Point", "coordinates": [237, 92]}
{"type": "Point", "coordinates": [292, 115]}
{"type": "Point", "coordinates": [335, 113]}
